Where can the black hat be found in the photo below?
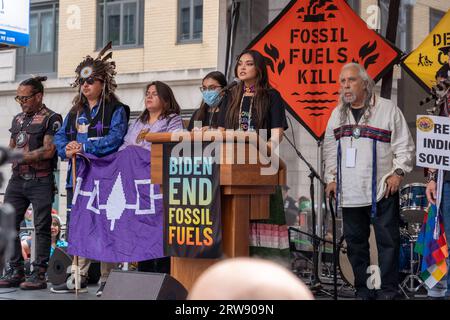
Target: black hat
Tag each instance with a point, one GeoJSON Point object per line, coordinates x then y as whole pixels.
{"type": "Point", "coordinates": [445, 50]}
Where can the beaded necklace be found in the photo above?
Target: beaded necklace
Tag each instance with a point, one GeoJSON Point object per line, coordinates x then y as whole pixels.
{"type": "Point", "coordinates": [22, 136]}
{"type": "Point", "coordinates": [249, 89]}
{"type": "Point", "coordinates": [249, 127]}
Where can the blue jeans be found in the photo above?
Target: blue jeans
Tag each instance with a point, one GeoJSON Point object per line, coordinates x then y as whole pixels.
{"type": "Point", "coordinates": [440, 289]}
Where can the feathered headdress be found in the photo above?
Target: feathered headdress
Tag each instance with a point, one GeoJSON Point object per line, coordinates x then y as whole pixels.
{"type": "Point", "coordinates": [99, 68]}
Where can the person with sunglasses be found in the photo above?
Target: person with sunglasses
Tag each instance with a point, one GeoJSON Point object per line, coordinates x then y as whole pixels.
{"type": "Point", "coordinates": [207, 115]}
{"type": "Point", "coordinates": [32, 180]}
{"type": "Point", "coordinates": [96, 124]}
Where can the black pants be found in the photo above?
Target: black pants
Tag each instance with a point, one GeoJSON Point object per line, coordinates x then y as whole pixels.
{"type": "Point", "coordinates": [356, 232]}
{"type": "Point", "coordinates": [40, 193]}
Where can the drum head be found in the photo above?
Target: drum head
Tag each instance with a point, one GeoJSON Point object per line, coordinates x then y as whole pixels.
{"type": "Point", "coordinates": [345, 267]}
{"type": "Point", "coordinates": [413, 201]}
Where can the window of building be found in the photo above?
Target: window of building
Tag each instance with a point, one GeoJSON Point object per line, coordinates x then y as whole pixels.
{"type": "Point", "coordinates": [190, 21]}
{"type": "Point", "coordinates": [41, 55]}
{"type": "Point", "coordinates": [435, 17]}
{"type": "Point", "coordinates": [404, 28]}
{"type": "Point", "coordinates": [120, 21]}
{"type": "Point", "coordinates": [355, 4]}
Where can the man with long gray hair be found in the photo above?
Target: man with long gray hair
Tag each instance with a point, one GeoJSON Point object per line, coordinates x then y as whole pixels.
{"type": "Point", "coordinates": [367, 150]}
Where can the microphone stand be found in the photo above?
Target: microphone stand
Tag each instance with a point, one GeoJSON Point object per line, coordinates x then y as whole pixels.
{"type": "Point", "coordinates": [315, 284]}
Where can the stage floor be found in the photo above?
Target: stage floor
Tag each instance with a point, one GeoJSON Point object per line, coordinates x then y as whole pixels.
{"type": "Point", "coordinates": [344, 293]}
{"type": "Point", "coordinates": [46, 294]}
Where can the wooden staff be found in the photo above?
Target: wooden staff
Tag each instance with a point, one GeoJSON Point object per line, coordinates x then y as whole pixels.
{"type": "Point", "coordinates": [75, 258]}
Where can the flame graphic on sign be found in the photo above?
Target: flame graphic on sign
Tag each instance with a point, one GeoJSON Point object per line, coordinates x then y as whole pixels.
{"type": "Point", "coordinates": [364, 54]}
{"type": "Point", "coordinates": [274, 54]}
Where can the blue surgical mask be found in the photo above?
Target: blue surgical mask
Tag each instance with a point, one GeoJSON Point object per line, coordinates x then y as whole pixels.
{"type": "Point", "coordinates": [211, 97]}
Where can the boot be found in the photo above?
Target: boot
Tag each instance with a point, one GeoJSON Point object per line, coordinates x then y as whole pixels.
{"type": "Point", "coordinates": [12, 278]}
{"type": "Point", "coordinates": [36, 281]}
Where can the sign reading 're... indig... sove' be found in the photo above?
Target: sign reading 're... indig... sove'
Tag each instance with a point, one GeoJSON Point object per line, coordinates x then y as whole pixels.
{"type": "Point", "coordinates": [433, 142]}
{"type": "Point", "coordinates": [192, 213]}
{"type": "Point", "coordinates": [306, 47]}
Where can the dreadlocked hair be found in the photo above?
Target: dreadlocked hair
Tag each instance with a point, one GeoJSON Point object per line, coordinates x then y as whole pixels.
{"type": "Point", "coordinates": [36, 83]}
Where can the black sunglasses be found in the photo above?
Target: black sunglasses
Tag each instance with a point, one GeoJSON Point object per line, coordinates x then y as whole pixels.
{"type": "Point", "coordinates": [89, 80]}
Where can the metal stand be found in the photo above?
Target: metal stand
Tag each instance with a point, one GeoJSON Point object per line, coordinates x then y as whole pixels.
{"type": "Point", "coordinates": [409, 281]}
{"type": "Point", "coordinates": [315, 284]}
{"type": "Point", "coordinates": [335, 254]}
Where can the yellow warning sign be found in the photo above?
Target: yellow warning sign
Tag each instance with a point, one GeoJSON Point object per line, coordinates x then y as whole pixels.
{"type": "Point", "coordinates": [431, 54]}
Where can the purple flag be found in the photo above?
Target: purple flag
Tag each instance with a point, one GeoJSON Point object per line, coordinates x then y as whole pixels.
{"type": "Point", "coordinates": [117, 214]}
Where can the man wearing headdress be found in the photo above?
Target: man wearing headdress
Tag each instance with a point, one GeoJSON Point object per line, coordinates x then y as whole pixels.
{"type": "Point", "coordinates": [96, 124]}
{"type": "Point", "coordinates": [32, 180]}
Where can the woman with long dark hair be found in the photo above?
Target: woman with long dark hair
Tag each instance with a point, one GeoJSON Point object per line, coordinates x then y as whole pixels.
{"type": "Point", "coordinates": [161, 114]}
{"type": "Point", "coordinates": [254, 105]}
{"type": "Point", "coordinates": [207, 114]}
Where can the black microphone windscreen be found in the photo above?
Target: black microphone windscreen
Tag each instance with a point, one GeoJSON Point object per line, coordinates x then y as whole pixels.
{"type": "Point", "coordinates": [233, 83]}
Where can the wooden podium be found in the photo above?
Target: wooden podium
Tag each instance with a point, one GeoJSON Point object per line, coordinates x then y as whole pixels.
{"type": "Point", "coordinates": [244, 193]}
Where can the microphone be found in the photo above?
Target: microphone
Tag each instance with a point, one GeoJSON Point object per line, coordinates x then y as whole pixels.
{"type": "Point", "coordinates": [7, 155]}
{"type": "Point", "coordinates": [232, 84]}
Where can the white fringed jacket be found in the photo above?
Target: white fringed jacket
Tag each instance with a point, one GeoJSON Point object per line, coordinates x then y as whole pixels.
{"type": "Point", "coordinates": [384, 145]}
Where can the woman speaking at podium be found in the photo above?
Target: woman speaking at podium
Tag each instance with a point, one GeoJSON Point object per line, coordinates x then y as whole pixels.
{"type": "Point", "coordinates": [253, 105]}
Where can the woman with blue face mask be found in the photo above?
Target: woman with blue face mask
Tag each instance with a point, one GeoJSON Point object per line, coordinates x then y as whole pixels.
{"type": "Point", "coordinates": [207, 115]}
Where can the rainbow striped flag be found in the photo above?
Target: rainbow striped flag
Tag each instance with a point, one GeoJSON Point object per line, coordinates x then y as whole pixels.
{"type": "Point", "coordinates": [432, 245]}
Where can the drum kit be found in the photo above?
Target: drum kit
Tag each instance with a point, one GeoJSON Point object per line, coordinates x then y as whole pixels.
{"type": "Point", "coordinates": [413, 203]}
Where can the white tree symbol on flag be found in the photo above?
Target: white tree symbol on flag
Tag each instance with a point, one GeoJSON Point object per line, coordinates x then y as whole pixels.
{"type": "Point", "coordinates": [116, 203]}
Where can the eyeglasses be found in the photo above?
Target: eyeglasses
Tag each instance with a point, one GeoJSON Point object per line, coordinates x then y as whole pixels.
{"type": "Point", "coordinates": [210, 88]}
{"type": "Point", "coordinates": [89, 80]}
{"type": "Point", "coordinates": [23, 99]}
{"type": "Point", "coordinates": [153, 94]}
